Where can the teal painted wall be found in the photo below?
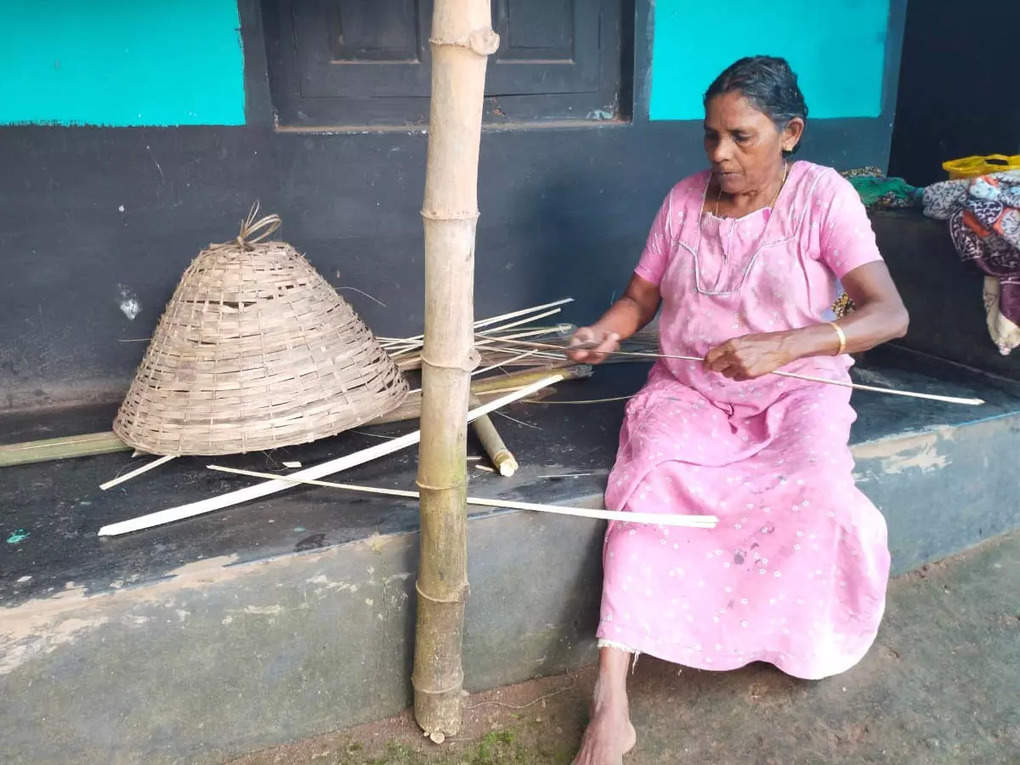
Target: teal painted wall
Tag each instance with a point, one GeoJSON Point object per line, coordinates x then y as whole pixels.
{"type": "Point", "coordinates": [121, 62]}
{"type": "Point", "coordinates": [836, 47]}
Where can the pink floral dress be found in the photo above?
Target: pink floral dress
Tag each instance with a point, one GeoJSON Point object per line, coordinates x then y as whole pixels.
{"type": "Point", "coordinates": [795, 573]}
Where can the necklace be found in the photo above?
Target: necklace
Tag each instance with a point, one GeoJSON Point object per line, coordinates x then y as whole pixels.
{"type": "Point", "coordinates": [715, 290]}
{"type": "Point", "coordinates": [786, 172]}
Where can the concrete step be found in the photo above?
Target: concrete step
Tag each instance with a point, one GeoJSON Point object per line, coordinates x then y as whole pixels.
{"type": "Point", "coordinates": [293, 616]}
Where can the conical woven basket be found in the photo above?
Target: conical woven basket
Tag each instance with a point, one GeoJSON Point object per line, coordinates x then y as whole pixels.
{"type": "Point", "coordinates": [255, 350]}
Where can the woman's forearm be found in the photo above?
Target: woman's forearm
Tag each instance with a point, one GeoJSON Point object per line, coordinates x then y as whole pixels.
{"type": "Point", "coordinates": [625, 317]}
{"type": "Point", "coordinates": [869, 325]}
{"type": "Point", "coordinates": [635, 309]}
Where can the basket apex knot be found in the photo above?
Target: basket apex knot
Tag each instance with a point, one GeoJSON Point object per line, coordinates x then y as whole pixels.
{"type": "Point", "coordinates": [265, 227]}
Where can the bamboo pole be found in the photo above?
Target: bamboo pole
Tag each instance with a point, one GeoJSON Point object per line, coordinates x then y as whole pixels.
{"type": "Point", "coordinates": [65, 447]}
{"type": "Point", "coordinates": [462, 39]}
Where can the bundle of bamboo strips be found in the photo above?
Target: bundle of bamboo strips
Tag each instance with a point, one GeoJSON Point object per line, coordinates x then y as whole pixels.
{"type": "Point", "coordinates": [88, 444]}
{"type": "Point", "coordinates": [314, 472]}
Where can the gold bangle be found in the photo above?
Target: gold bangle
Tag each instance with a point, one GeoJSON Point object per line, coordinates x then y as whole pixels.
{"type": "Point", "coordinates": [842, 337]}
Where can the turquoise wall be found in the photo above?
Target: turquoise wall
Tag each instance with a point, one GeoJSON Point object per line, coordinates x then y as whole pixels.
{"type": "Point", "coordinates": [836, 47]}
{"type": "Point", "coordinates": [121, 62]}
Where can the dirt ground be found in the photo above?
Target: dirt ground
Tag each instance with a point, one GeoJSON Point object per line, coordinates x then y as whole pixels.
{"type": "Point", "coordinates": [939, 686]}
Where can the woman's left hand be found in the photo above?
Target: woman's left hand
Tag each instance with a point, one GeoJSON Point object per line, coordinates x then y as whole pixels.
{"type": "Point", "coordinates": [749, 356]}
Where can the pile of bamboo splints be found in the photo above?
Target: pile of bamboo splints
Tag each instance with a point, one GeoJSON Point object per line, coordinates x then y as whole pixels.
{"type": "Point", "coordinates": [511, 340]}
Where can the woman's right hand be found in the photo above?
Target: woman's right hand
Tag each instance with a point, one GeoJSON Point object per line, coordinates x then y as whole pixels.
{"type": "Point", "coordinates": [598, 343]}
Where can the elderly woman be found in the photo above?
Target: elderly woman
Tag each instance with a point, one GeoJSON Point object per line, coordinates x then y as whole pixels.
{"type": "Point", "coordinates": [744, 259]}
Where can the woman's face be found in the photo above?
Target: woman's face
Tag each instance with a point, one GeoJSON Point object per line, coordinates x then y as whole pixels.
{"type": "Point", "coordinates": [742, 144]}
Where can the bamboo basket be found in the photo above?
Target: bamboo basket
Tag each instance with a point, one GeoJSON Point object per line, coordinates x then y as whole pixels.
{"type": "Point", "coordinates": [255, 350]}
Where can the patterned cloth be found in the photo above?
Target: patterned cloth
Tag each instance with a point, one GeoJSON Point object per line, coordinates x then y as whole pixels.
{"type": "Point", "coordinates": [795, 573]}
{"type": "Point", "coordinates": [984, 223]}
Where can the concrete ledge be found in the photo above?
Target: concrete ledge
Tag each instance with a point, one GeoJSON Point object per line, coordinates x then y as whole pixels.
{"type": "Point", "coordinates": [156, 653]}
{"type": "Point", "coordinates": [943, 490]}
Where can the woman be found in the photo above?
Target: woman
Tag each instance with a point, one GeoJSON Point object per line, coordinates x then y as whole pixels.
{"type": "Point", "coordinates": [744, 260]}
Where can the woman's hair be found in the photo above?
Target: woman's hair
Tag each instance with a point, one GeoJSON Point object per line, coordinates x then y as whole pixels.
{"type": "Point", "coordinates": [768, 83]}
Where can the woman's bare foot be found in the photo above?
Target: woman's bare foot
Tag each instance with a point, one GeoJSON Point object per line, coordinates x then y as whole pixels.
{"type": "Point", "coordinates": [608, 737]}
{"type": "Point", "coordinates": [609, 734]}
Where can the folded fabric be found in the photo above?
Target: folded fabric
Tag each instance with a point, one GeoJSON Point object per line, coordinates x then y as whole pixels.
{"type": "Point", "coordinates": [877, 191]}
{"type": "Point", "coordinates": [984, 223]}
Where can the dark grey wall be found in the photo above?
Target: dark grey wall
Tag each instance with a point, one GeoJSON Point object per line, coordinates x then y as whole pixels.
{"type": "Point", "coordinates": [565, 210]}
{"type": "Point", "coordinates": [958, 92]}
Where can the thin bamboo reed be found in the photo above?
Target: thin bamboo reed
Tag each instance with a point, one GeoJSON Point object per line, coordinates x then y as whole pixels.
{"type": "Point", "coordinates": [388, 341]}
{"type": "Point", "coordinates": [652, 519]}
{"type": "Point", "coordinates": [966, 401]}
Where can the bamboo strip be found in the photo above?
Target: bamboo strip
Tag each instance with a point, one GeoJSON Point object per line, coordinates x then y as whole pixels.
{"type": "Point", "coordinates": [482, 322]}
{"type": "Point", "coordinates": [232, 498]}
{"type": "Point", "coordinates": [654, 519]}
{"type": "Point", "coordinates": [889, 391]}
{"type": "Point", "coordinates": [411, 409]}
{"type": "Point", "coordinates": [809, 378]}
{"type": "Point", "coordinates": [509, 361]}
{"type": "Point", "coordinates": [484, 389]}
{"type": "Point", "coordinates": [519, 322]}
{"type": "Point", "coordinates": [414, 362]}
{"type": "Point", "coordinates": [521, 312]}
{"type": "Point", "coordinates": [403, 344]}
{"type": "Point", "coordinates": [107, 442]}
{"type": "Point", "coordinates": [482, 371]}
{"type": "Point", "coordinates": [136, 472]}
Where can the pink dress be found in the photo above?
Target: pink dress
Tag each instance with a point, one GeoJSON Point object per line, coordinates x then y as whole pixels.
{"type": "Point", "coordinates": [796, 571]}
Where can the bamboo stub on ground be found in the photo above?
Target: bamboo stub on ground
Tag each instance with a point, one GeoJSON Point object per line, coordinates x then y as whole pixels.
{"type": "Point", "coordinates": [492, 442]}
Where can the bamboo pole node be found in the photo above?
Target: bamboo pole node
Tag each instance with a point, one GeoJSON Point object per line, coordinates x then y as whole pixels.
{"type": "Point", "coordinates": [450, 215]}
{"type": "Point", "coordinates": [483, 42]}
{"type": "Point", "coordinates": [465, 587]}
{"type": "Point", "coordinates": [451, 689]}
{"type": "Point", "coordinates": [469, 365]}
{"type": "Point", "coordinates": [426, 487]}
